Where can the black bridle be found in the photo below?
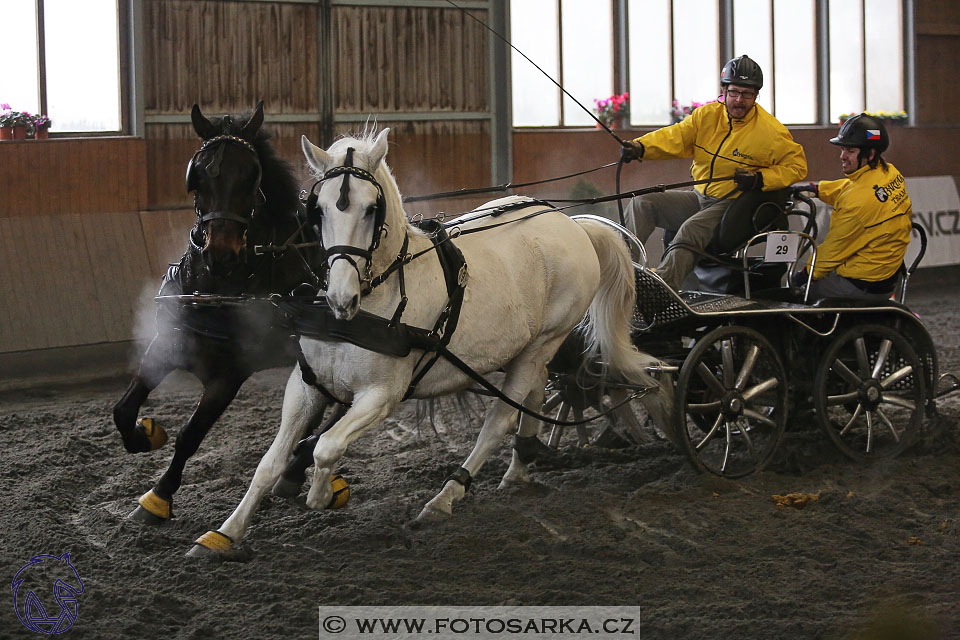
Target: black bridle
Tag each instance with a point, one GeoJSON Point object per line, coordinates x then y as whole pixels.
{"type": "Point", "coordinates": [214, 169]}
{"type": "Point", "coordinates": [315, 214]}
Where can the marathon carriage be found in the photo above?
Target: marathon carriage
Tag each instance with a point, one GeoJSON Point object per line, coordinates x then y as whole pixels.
{"type": "Point", "coordinates": [749, 361]}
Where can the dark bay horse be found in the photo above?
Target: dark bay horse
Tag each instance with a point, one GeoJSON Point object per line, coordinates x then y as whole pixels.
{"type": "Point", "coordinates": [244, 196]}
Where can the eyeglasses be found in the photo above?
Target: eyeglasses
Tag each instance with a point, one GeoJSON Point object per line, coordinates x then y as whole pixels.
{"type": "Point", "coordinates": [746, 95]}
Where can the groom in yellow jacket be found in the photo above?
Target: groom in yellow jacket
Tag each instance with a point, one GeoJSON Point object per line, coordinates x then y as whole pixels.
{"type": "Point", "coordinates": [736, 137]}
{"type": "Point", "coordinates": [871, 221]}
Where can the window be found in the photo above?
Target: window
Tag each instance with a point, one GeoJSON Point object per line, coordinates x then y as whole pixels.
{"type": "Point", "coordinates": [866, 59]}
{"type": "Point", "coordinates": [69, 65]}
{"type": "Point", "coordinates": [572, 40]}
{"type": "Point", "coordinates": [673, 50]}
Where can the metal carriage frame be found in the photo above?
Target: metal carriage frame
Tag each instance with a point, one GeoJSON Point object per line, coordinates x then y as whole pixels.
{"type": "Point", "coordinates": [867, 373]}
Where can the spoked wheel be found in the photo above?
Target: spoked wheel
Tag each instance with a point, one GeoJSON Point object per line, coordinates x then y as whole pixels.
{"type": "Point", "coordinates": [731, 402]}
{"type": "Point", "coordinates": [869, 393]}
{"type": "Point", "coordinates": [623, 422]}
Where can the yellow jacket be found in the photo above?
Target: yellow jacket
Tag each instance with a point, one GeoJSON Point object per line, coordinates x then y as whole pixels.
{"type": "Point", "coordinates": [719, 144]}
{"type": "Point", "coordinates": [870, 225]}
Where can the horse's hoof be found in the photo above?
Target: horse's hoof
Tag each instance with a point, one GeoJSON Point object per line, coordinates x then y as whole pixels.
{"type": "Point", "coordinates": [214, 545]}
{"type": "Point", "coordinates": [507, 484]}
{"type": "Point", "coordinates": [152, 510]}
{"type": "Point", "coordinates": [284, 488]}
{"type": "Point", "coordinates": [431, 515]}
{"type": "Point", "coordinates": [154, 433]}
{"type": "Point", "coordinates": [145, 436]}
{"type": "Point", "coordinates": [341, 492]}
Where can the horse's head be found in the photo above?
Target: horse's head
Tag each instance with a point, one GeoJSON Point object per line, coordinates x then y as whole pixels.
{"type": "Point", "coordinates": [224, 176]}
{"type": "Point", "coordinates": [348, 207]}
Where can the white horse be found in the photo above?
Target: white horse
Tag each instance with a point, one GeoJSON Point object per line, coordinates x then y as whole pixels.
{"type": "Point", "coordinates": [529, 284]}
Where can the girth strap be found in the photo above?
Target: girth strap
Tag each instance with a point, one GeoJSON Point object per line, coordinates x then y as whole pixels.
{"type": "Point", "coordinates": [455, 277]}
{"type": "Point", "coordinates": [308, 375]}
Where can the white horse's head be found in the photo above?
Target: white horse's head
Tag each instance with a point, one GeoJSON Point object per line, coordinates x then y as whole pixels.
{"type": "Point", "coordinates": [351, 206]}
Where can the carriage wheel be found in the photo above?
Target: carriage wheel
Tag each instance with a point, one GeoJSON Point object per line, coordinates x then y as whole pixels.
{"type": "Point", "coordinates": [869, 393]}
{"type": "Point", "coordinates": [731, 402]}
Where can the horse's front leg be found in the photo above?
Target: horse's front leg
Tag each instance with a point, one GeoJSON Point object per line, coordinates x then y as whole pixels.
{"type": "Point", "coordinates": [300, 406]}
{"type": "Point", "coordinates": [156, 505]}
{"type": "Point", "coordinates": [295, 474]}
{"type": "Point", "coordinates": [154, 367]}
{"type": "Point", "coordinates": [368, 409]}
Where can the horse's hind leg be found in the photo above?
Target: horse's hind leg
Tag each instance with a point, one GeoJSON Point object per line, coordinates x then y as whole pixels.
{"type": "Point", "coordinates": [523, 375]}
{"type": "Point", "coordinates": [300, 405]}
{"type": "Point", "coordinates": [526, 445]}
{"type": "Point", "coordinates": [156, 505]}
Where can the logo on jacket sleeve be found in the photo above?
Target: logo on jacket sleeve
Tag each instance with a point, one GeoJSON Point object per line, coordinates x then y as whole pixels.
{"type": "Point", "coordinates": [881, 193]}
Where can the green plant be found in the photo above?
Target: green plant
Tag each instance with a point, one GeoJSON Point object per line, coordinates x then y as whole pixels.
{"type": "Point", "coordinates": [10, 118]}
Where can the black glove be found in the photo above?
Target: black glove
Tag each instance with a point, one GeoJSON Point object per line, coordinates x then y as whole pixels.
{"type": "Point", "coordinates": [799, 279]}
{"type": "Point", "coordinates": [631, 150]}
{"type": "Point", "coordinates": [748, 180]}
{"type": "Point", "coordinates": [811, 187]}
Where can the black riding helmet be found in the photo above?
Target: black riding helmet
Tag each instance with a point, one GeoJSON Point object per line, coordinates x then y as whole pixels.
{"type": "Point", "coordinates": [864, 132]}
{"type": "Point", "coordinates": [742, 71]}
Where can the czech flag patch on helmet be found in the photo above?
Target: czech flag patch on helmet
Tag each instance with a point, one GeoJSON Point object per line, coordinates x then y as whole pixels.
{"type": "Point", "coordinates": [873, 134]}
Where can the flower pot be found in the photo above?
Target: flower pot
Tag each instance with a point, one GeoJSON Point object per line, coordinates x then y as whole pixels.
{"type": "Point", "coordinates": [6, 133]}
{"type": "Point", "coordinates": [19, 133]}
{"type": "Point", "coordinates": [41, 134]}
{"type": "Point", "coordinates": [613, 124]}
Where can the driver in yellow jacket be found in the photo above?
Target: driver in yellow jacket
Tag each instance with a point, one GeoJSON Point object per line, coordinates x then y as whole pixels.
{"type": "Point", "coordinates": [736, 137]}
{"type": "Point", "coordinates": [871, 221]}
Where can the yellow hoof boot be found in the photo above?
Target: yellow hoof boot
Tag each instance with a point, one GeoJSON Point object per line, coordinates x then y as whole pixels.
{"type": "Point", "coordinates": [153, 509]}
{"type": "Point", "coordinates": [154, 433]}
{"type": "Point", "coordinates": [214, 545]}
{"type": "Point", "coordinates": [341, 492]}
{"type": "Point", "coordinates": [215, 541]}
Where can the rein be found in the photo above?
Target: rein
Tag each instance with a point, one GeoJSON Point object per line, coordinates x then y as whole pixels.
{"type": "Point", "coordinates": [501, 187]}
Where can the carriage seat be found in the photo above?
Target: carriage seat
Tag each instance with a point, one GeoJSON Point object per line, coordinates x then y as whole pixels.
{"type": "Point", "coordinates": [753, 212]}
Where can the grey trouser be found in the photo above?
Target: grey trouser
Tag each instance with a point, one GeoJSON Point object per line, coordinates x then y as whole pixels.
{"type": "Point", "coordinates": [692, 216]}
{"type": "Point", "coordinates": [836, 286]}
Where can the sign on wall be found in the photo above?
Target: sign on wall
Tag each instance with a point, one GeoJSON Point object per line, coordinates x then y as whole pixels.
{"type": "Point", "coordinates": [936, 207]}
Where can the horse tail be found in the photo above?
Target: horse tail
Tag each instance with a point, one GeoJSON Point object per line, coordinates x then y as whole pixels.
{"type": "Point", "coordinates": [606, 327]}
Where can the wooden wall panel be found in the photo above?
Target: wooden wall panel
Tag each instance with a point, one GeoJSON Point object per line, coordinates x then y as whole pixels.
{"type": "Point", "coordinates": [409, 59]}
{"type": "Point", "coordinates": [938, 102]}
{"type": "Point", "coordinates": [55, 301]}
{"type": "Point", "coordinates": [70, 279]}
{"type": "Point", "coordinates": [937, 56]}
{"type": "Point", "coordinates": [79, 175]}
{"type": "Point", "coordinates": [119, 269]}
{"type": "Point", "coordinates": [430, 157]}
{"type": "Point", "coordinates": [227, 55]}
